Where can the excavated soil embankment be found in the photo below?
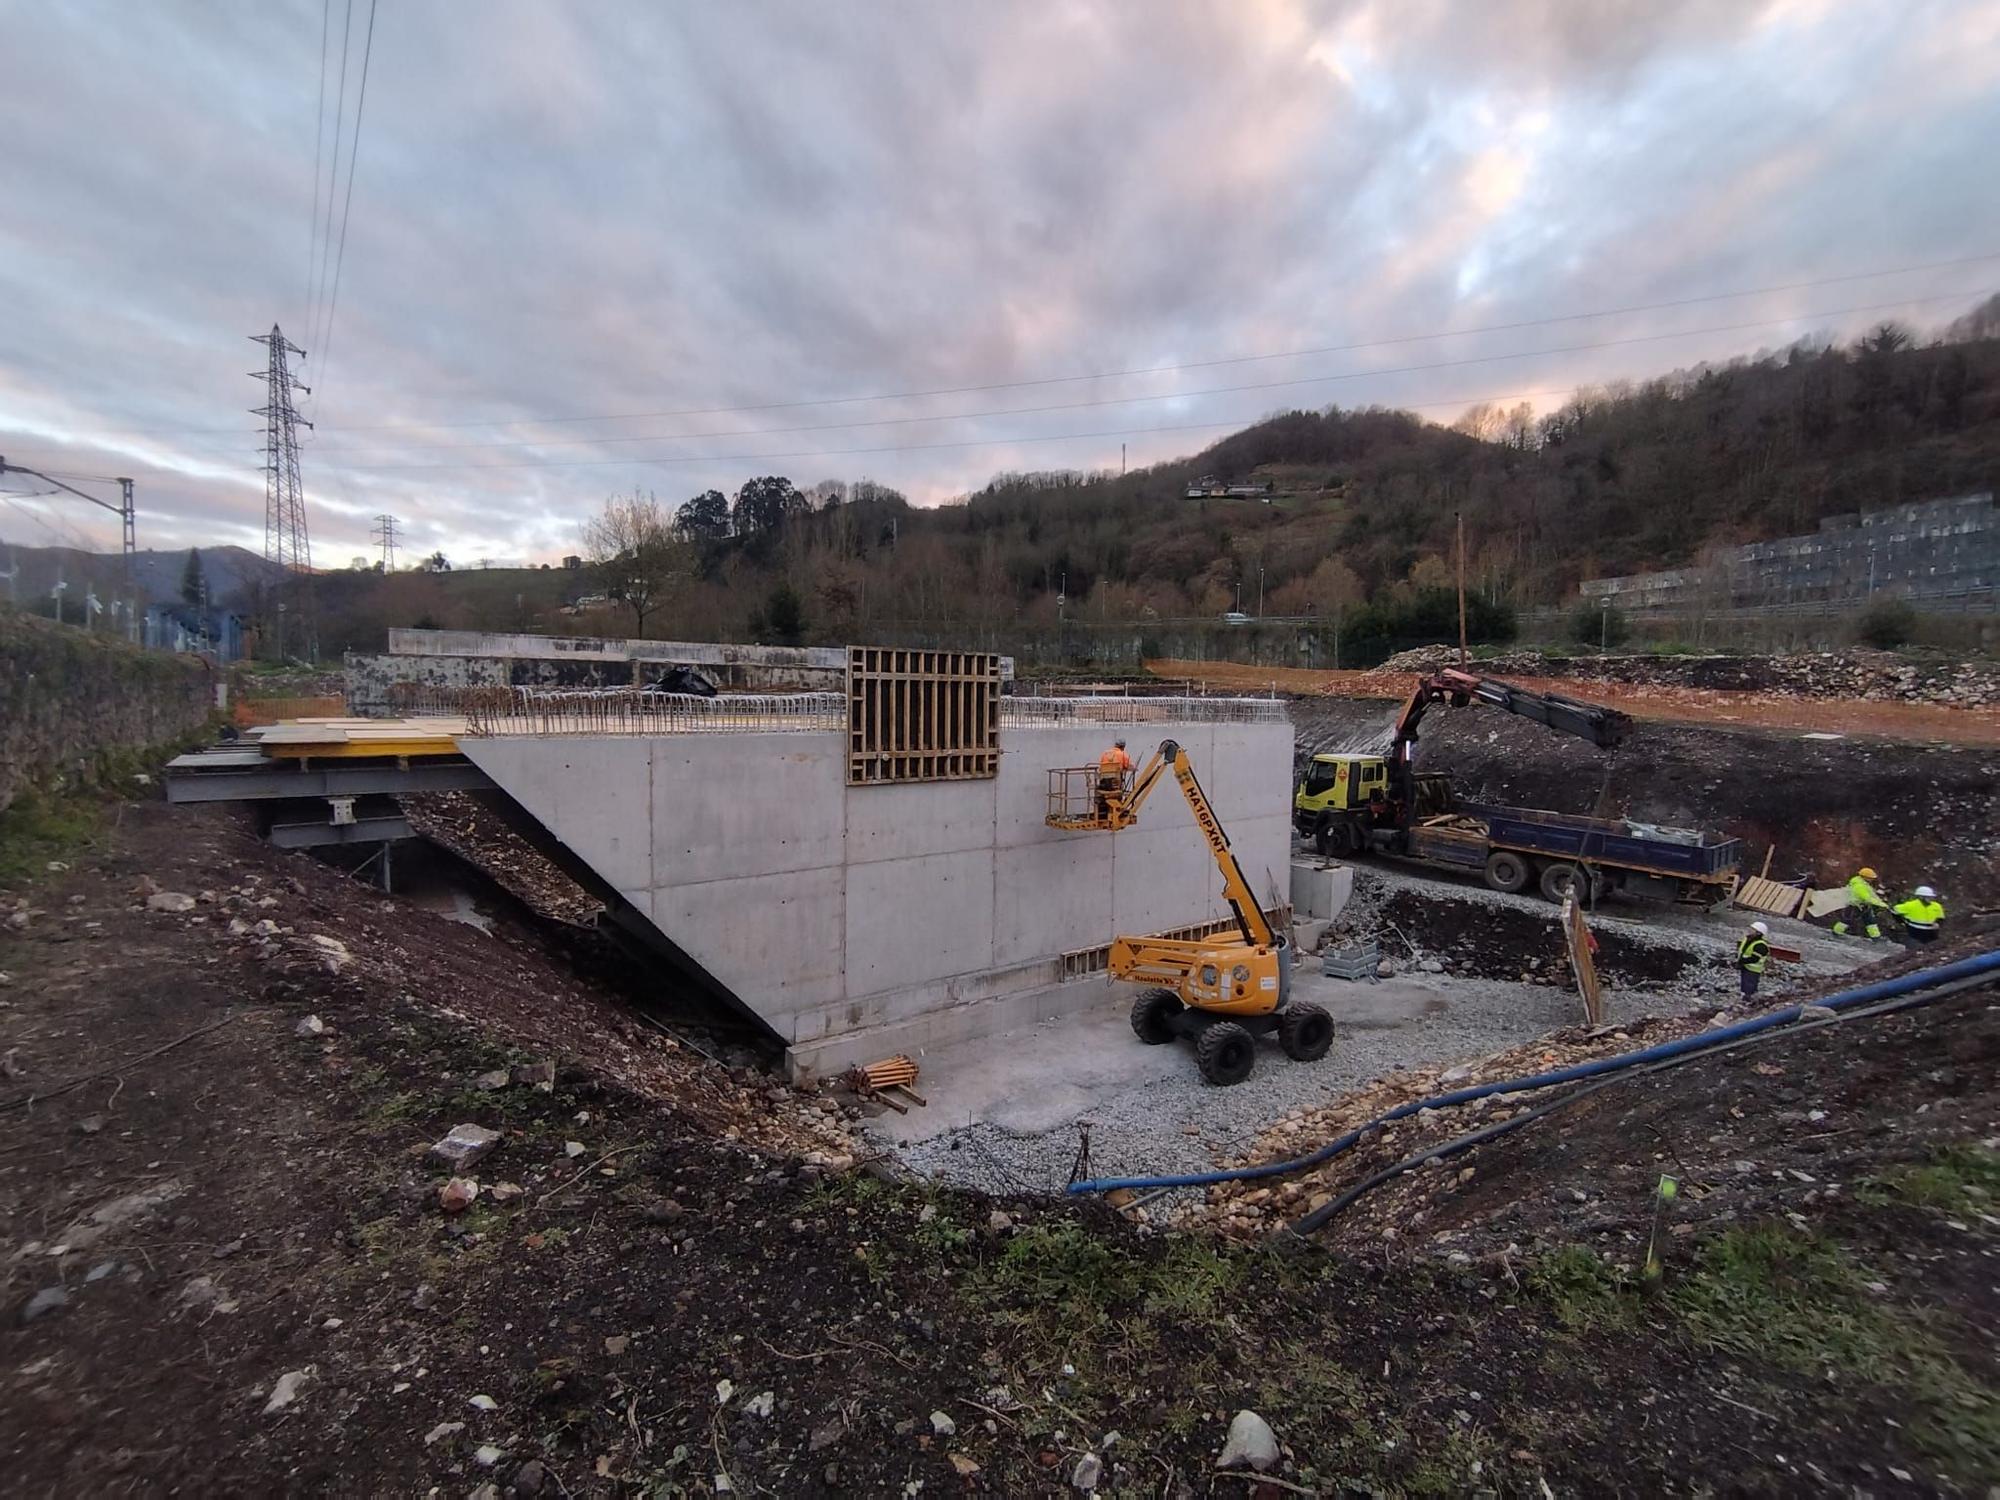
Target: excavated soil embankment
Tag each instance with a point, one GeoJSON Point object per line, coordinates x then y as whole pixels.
{"type": "Point", "coordinates": [1921, 814]}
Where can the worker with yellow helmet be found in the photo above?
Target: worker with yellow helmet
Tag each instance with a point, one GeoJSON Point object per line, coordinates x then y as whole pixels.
{"type": "Point", "coordinates": [1864, 906]}
{"type": "Point", "coordinates": [1921, 916]}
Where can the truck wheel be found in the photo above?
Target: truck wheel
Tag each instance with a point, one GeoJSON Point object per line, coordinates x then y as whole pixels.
{"type": "Point", "coordinates": [1559, 879]}
{"type": "Point", "coordinates": [1506, 871]}
{"type": "Point", "coordinates": [1153, 1016]}
{"type": "Point", "coordinates": [1225, 1054]}
{"type": "Point", "coordinates": [1338, 836]}
{"type": "Point", "coordinates": [1305, 1032]}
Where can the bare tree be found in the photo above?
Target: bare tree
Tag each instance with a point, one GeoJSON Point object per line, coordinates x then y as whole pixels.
{"type": "Point", "coordinates": [632, 547]}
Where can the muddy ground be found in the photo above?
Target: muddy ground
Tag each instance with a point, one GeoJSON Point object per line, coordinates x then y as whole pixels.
{"type": "Point", "coordinates": [694, 1293]}
{"type": "Point", "coordinates": [1921, 814]}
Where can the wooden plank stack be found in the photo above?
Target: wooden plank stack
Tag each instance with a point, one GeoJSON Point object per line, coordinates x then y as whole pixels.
{"type": "Point", "coordinates": [877, 1078]}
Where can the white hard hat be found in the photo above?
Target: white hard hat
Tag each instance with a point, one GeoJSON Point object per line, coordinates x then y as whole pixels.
{"type": "Point", "coordinates": [1760, 927]}
{"type": "Point", "coordinates": [1927, 893]}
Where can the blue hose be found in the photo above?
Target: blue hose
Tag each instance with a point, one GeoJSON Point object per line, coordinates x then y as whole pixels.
{"type": "Point", "coordinates": [1885, 989]}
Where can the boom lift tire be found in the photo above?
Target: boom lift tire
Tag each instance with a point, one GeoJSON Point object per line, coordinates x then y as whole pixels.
{"type": "Point", "coordinates": [1560, 878]}
{"type": "Point", "coordinates": [1305, 1031]}
{"type": "Point", "coordinates": [1153, 1016]}
{"type": "Point", "coordinates": [1506, 871]}
{"type": "Point", "coordinates": [1225, 1054]}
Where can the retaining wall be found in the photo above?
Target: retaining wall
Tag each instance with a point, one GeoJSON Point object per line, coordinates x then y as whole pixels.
{"type": "Point", "coordinates": [69, 700]}
{"type": "Point", "coordinates": [477, 658]}
{"type": "Point", "coordinates": [857, 921]}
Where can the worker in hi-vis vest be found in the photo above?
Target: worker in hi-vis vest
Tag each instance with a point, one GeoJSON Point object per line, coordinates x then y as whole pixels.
{"type": "Point", "coordinates": [1864, 906]}
{"type": "Point", "coordinates": [1751, 956]}
{"type": "Point", "coordinates": [1921, 915]}
{"type": "Point", "coordinates": [1113, 766]}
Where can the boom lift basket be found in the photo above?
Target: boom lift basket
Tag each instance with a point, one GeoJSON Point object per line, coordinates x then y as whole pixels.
{"type": "Point", "coordinates": [1076, 804]}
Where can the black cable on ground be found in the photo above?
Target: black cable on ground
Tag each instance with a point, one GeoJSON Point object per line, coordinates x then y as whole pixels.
{"type": "Point", "coordinates": [1320, 1217]}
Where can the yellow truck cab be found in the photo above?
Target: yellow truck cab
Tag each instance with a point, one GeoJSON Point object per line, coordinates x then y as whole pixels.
{"type": "Point", "coordinates": [1337, 784]}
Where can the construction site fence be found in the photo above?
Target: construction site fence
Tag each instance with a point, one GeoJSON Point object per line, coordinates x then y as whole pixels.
{"type": "Point", "coordinates": [523, 710]}
{"type": "Point", "coordinates": [530, 710]}
{"type": "Point", "coordinates": [1060, 713]}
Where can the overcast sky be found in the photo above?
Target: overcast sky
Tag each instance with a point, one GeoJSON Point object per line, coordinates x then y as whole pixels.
{"type": "Point", "coordinates": [639, 213]}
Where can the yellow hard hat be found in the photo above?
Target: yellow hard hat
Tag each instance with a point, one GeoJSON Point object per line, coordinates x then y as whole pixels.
{"type": "Point", "coordinates": [1868, 874]}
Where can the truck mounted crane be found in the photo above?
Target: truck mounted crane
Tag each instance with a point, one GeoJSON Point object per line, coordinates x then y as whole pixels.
{"type": "Point", "coordinates": [1354, 804]}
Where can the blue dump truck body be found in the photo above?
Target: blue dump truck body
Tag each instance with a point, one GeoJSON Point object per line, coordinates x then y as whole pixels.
{"type": "Point", "coordinates": [1612, 841]}
{"type": "Point", "coordinates": [1516, 846]}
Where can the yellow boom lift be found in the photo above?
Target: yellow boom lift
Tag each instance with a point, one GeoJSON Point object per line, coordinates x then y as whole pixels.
{"type": "Point", "coordinates": [1221, 992]}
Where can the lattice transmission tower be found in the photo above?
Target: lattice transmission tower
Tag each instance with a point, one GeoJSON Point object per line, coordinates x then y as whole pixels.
{"type": "Point", "coordinates": [385, 535]}
{"type": "Point", "coordinates": [286, 541]}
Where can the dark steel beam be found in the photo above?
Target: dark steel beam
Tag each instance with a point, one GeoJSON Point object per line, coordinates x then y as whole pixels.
{"type": "Point", "coordinates": [328, 779]}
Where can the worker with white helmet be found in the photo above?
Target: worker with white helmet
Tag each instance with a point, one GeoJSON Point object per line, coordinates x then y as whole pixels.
{"type": "Point", "coordinates": [1751, 956]}
{"type": "Point", "coordinates": [1921, 916]}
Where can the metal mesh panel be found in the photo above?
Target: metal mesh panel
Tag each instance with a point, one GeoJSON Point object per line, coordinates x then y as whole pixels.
{"type": "Point", "coordinates": [526, 710]}
{"type": "Point", "coordinates": [1060, 713]}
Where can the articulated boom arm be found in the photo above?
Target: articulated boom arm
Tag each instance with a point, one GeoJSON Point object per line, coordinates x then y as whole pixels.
{"type": "Point", "coordinates": [1126, 811]}
{"type": "Point", "coordinates": [1236, 890]}
{"type": "Point", "coordinates": [1603, 727]}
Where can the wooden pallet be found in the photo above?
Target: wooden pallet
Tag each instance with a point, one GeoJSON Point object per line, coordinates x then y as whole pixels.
{"type": "Point", "coordinates": [1755, 893]}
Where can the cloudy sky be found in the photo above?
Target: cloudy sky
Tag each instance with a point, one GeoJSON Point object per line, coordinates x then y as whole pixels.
{"type": "Point", "coordinates": [589, 247]}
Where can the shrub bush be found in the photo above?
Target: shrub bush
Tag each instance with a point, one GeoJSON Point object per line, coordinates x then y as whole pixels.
{"type": "Point", "coordinates": [1886, 624]}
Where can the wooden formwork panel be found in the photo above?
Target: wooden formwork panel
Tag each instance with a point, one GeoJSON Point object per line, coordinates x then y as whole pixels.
{"type": "Point", "coordinates": [922, 715]}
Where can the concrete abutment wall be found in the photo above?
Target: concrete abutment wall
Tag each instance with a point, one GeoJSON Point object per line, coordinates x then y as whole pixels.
{"type": "Point", "coordinates": [858, 921]}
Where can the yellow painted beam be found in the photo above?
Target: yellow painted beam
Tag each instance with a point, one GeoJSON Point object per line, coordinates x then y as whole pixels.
{"type": "Point", "coordinates": [361, 749]}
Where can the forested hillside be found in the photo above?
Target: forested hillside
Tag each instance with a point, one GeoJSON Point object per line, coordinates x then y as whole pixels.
{"type": "Point", "coordinates": [1619, 479]}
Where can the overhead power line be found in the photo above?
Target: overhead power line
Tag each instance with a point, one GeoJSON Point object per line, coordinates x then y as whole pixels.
{"type": "Point", "coordinates": [347, 207]}
{"type": "Point", "coordinates": [1166, 369]}
{"type": "Point", "coordinates": [1202, 364]}
{"type": "Point", "coordinates": [1306, 380]}
{"type": "Point", "coordinates": [988, 442]}
{"type": "Point", "coordinates": [319, 149]}
{"type": "Point", "coordinates": [333, 180]}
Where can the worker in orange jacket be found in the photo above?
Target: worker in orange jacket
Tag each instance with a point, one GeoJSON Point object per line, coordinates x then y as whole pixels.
{"type": "Point", "coordinates": [1113, 766]}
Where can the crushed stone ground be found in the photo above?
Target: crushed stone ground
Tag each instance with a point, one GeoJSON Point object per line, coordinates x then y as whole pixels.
{"type": "Point", "coordinates": [1155, 1126]}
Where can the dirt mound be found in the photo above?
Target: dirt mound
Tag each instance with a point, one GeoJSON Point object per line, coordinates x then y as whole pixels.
{"type": "Point", "coordinates": [229, 1268]}
{"type": "Point", "coordinates": [1494, 940]}
{"type": "Point", "coordinates": [298, 930]}
{"type": "Point", "coordinates": [1856, 676]}
{"type": "Point", "coordinates": [460, 822]}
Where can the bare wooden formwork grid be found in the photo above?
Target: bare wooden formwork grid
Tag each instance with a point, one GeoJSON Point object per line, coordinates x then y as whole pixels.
{"type": "Point", "coordinates": [922, 715]}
